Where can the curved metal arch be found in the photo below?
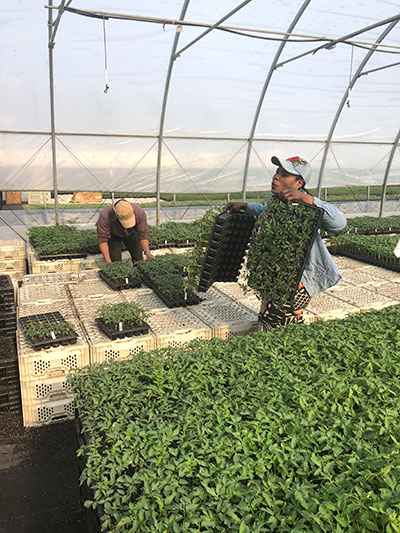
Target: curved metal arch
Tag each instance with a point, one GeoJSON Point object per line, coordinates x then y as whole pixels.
{"type": "Point", "coordinates": [387, 172]}
{"type": "Point", "coordinates": [163, 111]}
{"type": "Point", "coordinates": [263, 92]}
{"type": "Point", "coordinates": [358, 73]}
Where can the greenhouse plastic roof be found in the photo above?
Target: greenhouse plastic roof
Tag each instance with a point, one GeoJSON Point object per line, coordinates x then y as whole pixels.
{"type": "Point", "coordinates": [211, 136]}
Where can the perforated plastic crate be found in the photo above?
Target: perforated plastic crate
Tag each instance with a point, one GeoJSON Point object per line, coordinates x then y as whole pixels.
{"type": "Point", "coordinates": [87, 308]}
{"type": "Point", "coordinates": [340, 286]}
{"type": "Point", "coordinates": [389, 289]}
{"type": "Point", "coordinates": [45, 267]}
{"type": "Point", "coordinates": [12, 265]}
{"type": "Point", "coordinates": [383, 273]}
{"type": "Point", "coordinates": [45, 293]}
{"type": "Point", "coordinates": [11, 250]}
{"type": "Point", "coordinates": [213, 295]}
{"type": "Point", "coordinates": [50, 279]}
{"type": "Point", "coordinates": [227, 319]}
{"type": "Point", "coordinates": [345, 263]}
{"type": "Point", "coordinates": [103, 349]}
{"type": "Point", "coordinates": [365, 299]}
{"type": "Point", "coordinates": [176, 327]}
{"type": "Point", "coordinates": [86, 288]}
{"type": "Point", "coordinates": [38, 390]}
{"type": "Point", "coordinates": [144, 297]}
{"type": "Point", "coordinates": [56, 361]}
{"type": "Point", "coordinates": [326, 306]}
{"type": "Point", "coordinates": [360, 277]}
{"type": "Point", "coordinates": [91, 262]}
{"type": "Point", "coordinates": [44, 413]}
{"type": "Point", "coordinates": [65, 307]}
{"type": "Point", "coordinates": [233, 290]}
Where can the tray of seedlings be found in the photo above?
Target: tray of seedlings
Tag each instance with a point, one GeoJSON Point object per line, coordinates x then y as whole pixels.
{"type": "Point", "coordinates": [125, 319]}
{"type": "Point", "coordinates": [120, 275]}
{"type": "Point", "coordinates": [48, 329]}
{"type": "Point", "coordinates": [280, 249]}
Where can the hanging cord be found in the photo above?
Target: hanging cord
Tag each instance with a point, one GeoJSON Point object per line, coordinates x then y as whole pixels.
{"type": "Point", "coordinates": [105, 55]}
{"type": "Point", "coordinates": [350, 76]}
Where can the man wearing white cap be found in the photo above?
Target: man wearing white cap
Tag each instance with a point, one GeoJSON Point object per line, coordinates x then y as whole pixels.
{"type": "Point", "coordinates": [320, 271]}
{"type": "Point", "coordinates": [123, 222]}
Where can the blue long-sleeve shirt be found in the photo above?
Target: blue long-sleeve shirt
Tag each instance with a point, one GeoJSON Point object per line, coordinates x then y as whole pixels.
{"type": "Point", "coordinates": [320, 271]}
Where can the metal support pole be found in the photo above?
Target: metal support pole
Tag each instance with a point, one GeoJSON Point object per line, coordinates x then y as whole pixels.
{"type": "Point", "coordinates": [387, 172]}
{"type": "Point", "coordinates": [344, 99]}
{"type": "Point", "coordinates": [325, 194]}
{"type": "Point", "coordinates": [368, 192]}
{"type": "Point", "coordinates": [52, 113]}
{"type": "Point", "coordinates": [163, 111]}
{"type": "Point", "coordinates": [174, 199]}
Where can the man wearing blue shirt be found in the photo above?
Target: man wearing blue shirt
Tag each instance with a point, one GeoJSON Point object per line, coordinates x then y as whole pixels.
{"type": "Point", "coordinates": [320, 271]}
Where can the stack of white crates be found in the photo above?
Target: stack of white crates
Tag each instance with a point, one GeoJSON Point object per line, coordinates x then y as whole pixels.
{"type": "Point", "coordinates": [45, 393]}
{"type": "Point", "coordinates": [12, 259]}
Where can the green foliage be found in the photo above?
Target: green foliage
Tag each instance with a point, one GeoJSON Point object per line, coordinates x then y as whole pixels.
{"type": "Point", "coordinates": [166, 273]}
{"type": "Point", "coordinates": [56, 240]}
{"type": "Point", "coordinates": [277, 254]}
{"type": "Point", "coordinates": [367, 247]}
{"type": "Point", "coordinates": [120, 270]}
{"type": "Point", "coordinates": [129, 313]}
{"type": "Point", "coordinates": [367, 225]}
{"type": "Point", "coordinates": [35, 329]}
{"type": "Point", "coordinates": [173, 232]}
{"type": "Point", "coordinates": [293, 430]}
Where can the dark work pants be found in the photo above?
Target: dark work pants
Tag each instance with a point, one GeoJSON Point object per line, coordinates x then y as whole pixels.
{"type": "Point", "coordinates": [132, 245]}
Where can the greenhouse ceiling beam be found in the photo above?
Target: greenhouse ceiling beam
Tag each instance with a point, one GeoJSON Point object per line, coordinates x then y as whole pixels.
{"type": "Point", "coordinates": [262, 96]}
{"type": "Point", "coordinates": [357, 74]}
{"type": "Point", "coordinates": [345, 38]}
{"type": "Point", "coordinates": [163, 111]}
{"type": "Point", "coordinates": [379, 68]}
{"type": "Point", "coordinates": [387, 172]}
{"type": "Point", "coordinates": [212, 28]}
{"type": "Point", "coordinates": [177, 22]}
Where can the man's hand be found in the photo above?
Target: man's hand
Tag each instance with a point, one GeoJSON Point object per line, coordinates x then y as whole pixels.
{"type": "Point", "coordinates": [233, 207]}
{"type": "Point", "coordinates": [148, 254]}
{"type": "Point", "coordinates": [291, 193]}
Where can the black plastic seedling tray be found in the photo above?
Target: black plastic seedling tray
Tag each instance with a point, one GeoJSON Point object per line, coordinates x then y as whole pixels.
{"type": "Point", "coordinates": [128, 283]}
{"type": "Point", "coordinates": [54, 257]}
{"type": "Point", "coordinates": [8, 362]}
{"type": "Point", "coordinates": [10, 398]}
{"type": "Point", "coordinates": [226, 248]}
{"type": "Point", "coordinates": [47, 318]}
{"type": "Point", "coordinates": [8, 324]}
{"type": "Point", "coordinates": [181, 302]}
{"type": "Point", "coordinates": [126, 331]}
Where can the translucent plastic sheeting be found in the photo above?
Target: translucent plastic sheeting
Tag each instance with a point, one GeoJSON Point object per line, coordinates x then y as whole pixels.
{"type": "Point", "coordinates": [214, 91]}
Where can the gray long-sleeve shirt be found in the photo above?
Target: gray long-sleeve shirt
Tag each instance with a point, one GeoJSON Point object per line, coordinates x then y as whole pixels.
{"type": "Point", "coordinates": [320, 271]}
{"type": "Point", "coordinates": [108, 225]}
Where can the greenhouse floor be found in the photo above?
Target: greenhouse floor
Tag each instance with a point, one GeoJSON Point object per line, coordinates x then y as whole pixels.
{"type": "Point", "coordinates": [39, 491]}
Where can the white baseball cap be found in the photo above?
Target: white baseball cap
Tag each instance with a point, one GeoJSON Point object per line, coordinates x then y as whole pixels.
{"type": "Point", "coordinates": [294, 165]}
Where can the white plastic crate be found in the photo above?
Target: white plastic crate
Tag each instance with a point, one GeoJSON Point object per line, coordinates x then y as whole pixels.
{"type": "Point", "coordinates": [233, 290]}
{"type": "Point", "coordinates": [326, 306]}
{"type": "Point", "coordinates": [55, 361]}
{"type": "Point", "coordinates": [51, 279]}
{"type": "Point", "coordinates": [91, 262]}
{"type": "Point", "coordinates": [227, 319]}
{"type": "Point", "coordinates": [147, 298]}
{"type": "Point", "coordinates": [39, 390]}
{"type": "Point", "coordinates": [11, 250]}
{"type": "Point", "coordinates": [346, 262]}
{"type": "Point", "coordinates": [176, 327]}
{"type": "Point", "coordinates": [252, 303]}
{"type": "Point", "coordinates": [388, 289]}
{"type": "Point", "coordinates": [383, 273]}
{"type": "Point", "coordinates": [12, 264]}
{"type": "Point", "coordinates": [364, 299]}
{"type": "Point", "coordinates": [45, 293]}
{"type": "Point", "coordinates": [104, 349]}
{"type": "Point", "coordinates": [86, 288]}
{"type": "Point", "coordinates": [36, 197]}
{"type": "Point", "coordinates": [45, 267]}
{"type": "Point", "coordinates": [48, 412]}
{"type": "Point", "coordinates": [17, 275]}
{"type": "Point", "coordinates": [47, 306]}
{"type": "Point", "coordinates": [87, 307]}
{"type": "Point", "coordinates": [340, 286]}
{"type": "Point", "coordinates": [360, 277]}
{"type": "Point", "coordinates": [213, 295]}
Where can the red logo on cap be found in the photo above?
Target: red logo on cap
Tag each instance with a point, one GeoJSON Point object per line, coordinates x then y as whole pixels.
{"type": "Point", "coordinates": [296, 161]}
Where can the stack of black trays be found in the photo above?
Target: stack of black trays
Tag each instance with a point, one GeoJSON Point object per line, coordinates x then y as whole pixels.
{"type": "Point", "coordinates": [10, 395]}
{"type": "Point", "coordinates": [226, 250]}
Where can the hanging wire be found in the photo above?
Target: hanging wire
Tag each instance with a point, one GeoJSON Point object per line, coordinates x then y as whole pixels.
{"type": "Point", "coordinates": [105, 55]}
{"type": "Point", "coordinates": [350, 77]}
